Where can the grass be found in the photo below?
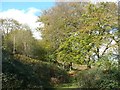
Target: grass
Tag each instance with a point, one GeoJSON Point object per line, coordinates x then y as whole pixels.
{"type": "Point", "coordinates": [67, 85]}
{"type": "Point", "coordinates": [41, 71]}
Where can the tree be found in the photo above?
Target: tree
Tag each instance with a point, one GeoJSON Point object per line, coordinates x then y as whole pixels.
{"type": "Point", "coordinates": [10, 25]}
{"type": "Point", "coordinates": [7, 25]}
{"type": "Point", "coordinates": [60, 21]}
{"type": "Point", "coordinates": [16, 37]}
{"type": "Point", "coordinates": [86, 44]}
{"type": "Point", "coordinates": [19, 41]}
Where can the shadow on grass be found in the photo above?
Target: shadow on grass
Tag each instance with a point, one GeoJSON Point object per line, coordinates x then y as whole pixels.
{"type": "Point", "coordinates": [20, 74]}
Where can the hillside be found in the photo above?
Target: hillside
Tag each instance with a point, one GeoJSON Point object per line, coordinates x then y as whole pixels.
{"type": "Point", "coordinates": [22, 71]}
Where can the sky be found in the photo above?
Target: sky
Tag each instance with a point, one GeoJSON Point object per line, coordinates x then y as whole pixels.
{"type": "Point", "coordinates": [27, 11]}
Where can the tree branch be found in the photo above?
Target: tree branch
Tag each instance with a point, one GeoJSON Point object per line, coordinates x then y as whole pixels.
{"type": "Point", "coordinates": [106, 48]}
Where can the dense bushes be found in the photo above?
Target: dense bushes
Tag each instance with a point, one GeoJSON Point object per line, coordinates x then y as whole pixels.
{"type": "Point", "coordinates": [23, 72]}
{"type": "Point", "coordinates": [104, 75]}
{"type": "Point", "coordinates": [99, 78]}
{"type": "Point", "coordinates": [18, 75]}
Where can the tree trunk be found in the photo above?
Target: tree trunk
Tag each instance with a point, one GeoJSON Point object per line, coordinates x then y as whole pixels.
{"type": "Point", "coordinates": [98, 53]}
{"type": "Point", "coordinates": [14, 45]}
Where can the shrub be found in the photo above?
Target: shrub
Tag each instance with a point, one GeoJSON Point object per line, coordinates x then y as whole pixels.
{"type": "Point", "coordinates": [20, 71]}
{"type": "Point", "coordinates": [97, 78]}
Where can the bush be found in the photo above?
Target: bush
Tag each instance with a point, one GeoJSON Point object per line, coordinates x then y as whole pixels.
{"type": "Point", "coordinates": [88, 79]}
{"type": "Point", "coordinates": [98, 78]}
{"type": "Point", "coordinates": [23, 72]}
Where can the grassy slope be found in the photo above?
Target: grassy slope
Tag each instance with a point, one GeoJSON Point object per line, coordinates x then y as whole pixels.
{"type": "Point", "coordinates": [22, 71]}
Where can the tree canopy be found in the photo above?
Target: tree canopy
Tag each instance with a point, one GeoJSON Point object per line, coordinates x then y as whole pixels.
{"type": "Point", "coordinates": [79, 48]}
{"type": "Point", "coordinates": [81, 32]}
